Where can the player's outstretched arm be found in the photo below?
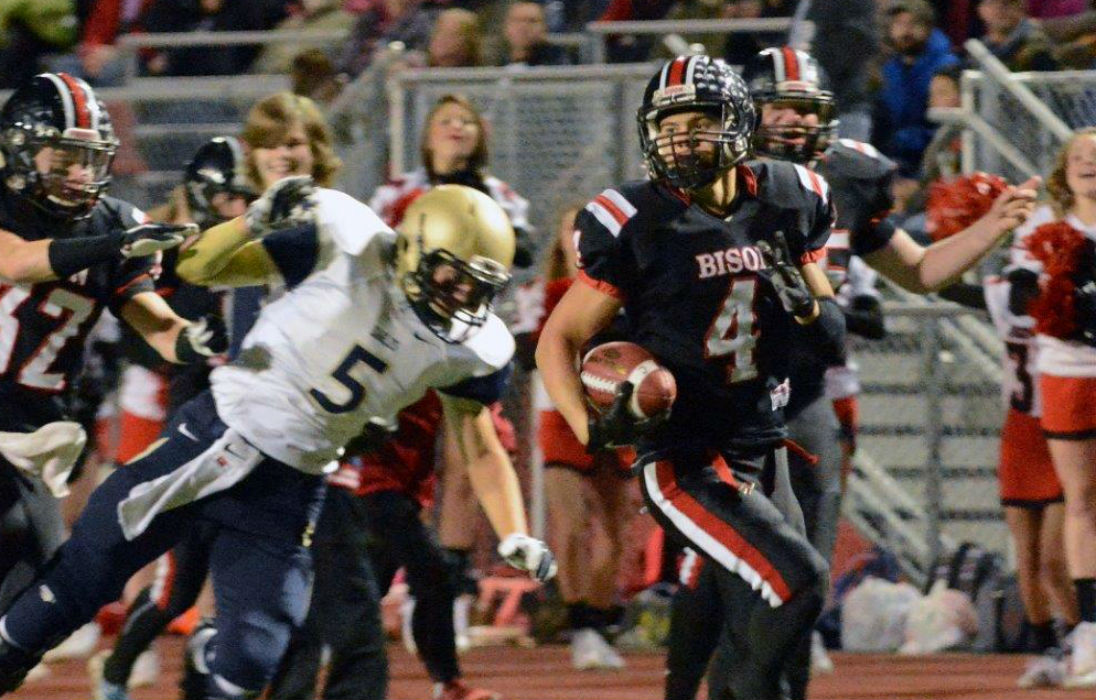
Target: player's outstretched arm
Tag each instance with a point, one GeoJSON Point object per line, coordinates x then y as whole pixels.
{"type": "Point", "coordinates": [175, 338]}
{"type": "Point", "coordinates": [923, 270]}
{"type": "Point", "coordinates": [226, 255]}
{"type": "Point", "coordinates": [28, 262]}
{"type": "Point", "coordinates": [495, 484]}
{"type": "Point", "coordinates": [581, 313]}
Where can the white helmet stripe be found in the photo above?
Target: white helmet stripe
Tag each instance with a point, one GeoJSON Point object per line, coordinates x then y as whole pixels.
{"type": "Point", "coordinates": [780, 68]}
{"type": "Point", "coordinates": [66, 99]}
{"type": "Point", "coordinates": [690, 70]}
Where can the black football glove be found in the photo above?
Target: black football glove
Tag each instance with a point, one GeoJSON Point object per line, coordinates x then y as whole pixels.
{"type": "Point", "coordinates": [290, 202]}
{"type": "Point", "coordinates": [146, 239]}
{"type": "Point", "coordinates": [201, 340]}
{"type": "Point", "coordinates": [617, 426]}
{"type": "Point", "coordinates": [785, 276]}
{"type": "Point", "coordinates": [374, 435]}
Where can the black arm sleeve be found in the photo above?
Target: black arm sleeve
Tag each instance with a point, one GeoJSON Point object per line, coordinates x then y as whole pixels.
{"type": "Point", "coordinates": [969, 295]}
{"type": "Point", "coordinates": [864, 317]}
{"type": "Point", "coordinates": [69, 256]}
{"type": "Point", "coordinates": [826, 332]}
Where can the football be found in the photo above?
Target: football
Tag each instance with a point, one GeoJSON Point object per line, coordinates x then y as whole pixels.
{"type": "Point", "coordinates": [606, 366]}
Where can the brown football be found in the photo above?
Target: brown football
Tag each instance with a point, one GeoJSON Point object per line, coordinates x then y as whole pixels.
{"type": "Point", "coordinates": [605, 367]}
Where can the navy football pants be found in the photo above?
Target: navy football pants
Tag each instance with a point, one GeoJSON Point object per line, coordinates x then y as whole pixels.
{"type": "Point", "coordinates": [260, 568]}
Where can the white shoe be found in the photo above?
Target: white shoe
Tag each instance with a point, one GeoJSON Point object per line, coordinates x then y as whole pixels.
{"type": "Point", "coordinates": [462, 606]}
{"type": "Point", "coordinates": [591, 651]}
{"type": "Point", "coordinates": [1081, 672]}
{"type": "Point", "coordinates": [79, 645]}
{"type": "Point", "coordinates": [820, 663]}
{"type": "Point", "coordinates": [146, 671]}
{"type": "Point", "coordinates": [407, 608]}
{"type": "Point", "coordinates": [1046, 671]}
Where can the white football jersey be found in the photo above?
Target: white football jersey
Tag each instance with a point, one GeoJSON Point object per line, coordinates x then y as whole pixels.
{"type": "Point", "coordinates": [344, 345]}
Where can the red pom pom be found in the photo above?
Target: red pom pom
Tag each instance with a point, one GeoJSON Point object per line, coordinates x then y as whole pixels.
{"type": "Point", "coordinates": [954, 206]}
{"type": "Point", "coordinates": [1062, 250]}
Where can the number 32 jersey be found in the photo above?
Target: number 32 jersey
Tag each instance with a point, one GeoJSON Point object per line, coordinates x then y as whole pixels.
{"type": "Point", "coordinates": [691, 285]}
{"type": "Point", "coordinates": [343, 345]}
{"type": "Point", "coordinates": [43, 325]}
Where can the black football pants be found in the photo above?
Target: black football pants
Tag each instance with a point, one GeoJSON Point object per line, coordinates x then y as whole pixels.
{"type": "Point", "coordinates": [770, 581]}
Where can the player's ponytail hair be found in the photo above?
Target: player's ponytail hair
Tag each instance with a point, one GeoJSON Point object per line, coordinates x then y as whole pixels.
{"type": "Point", "coordinates": [271, 118]}
{"type": "Point", "coordinates": [1060, 194]}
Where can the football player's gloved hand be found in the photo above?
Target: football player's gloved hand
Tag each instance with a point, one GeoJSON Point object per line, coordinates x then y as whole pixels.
{"type": "Point", "coordinates": [530, 555]}
{"type": "Point", "coordinates": [617, 426]}
{"type": "Point", "coordinates": [146, 239]}
{"type": "Point", "coordinates": [290, 202]}
{"type": "Point", "coordinates": [201, 340]}
{"type": "Point", "coordinates": [785, 276]}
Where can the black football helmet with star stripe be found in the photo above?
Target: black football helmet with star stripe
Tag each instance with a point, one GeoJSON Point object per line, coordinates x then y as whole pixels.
{"type": "Point", "coordinates": [695, 84]}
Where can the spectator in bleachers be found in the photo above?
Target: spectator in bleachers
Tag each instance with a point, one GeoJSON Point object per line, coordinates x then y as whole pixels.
{"type": "Point", "coordinates": [312, 16]}
{"type": "Point", "coordinates": [525, 37]}
{"type": "Point", "coordinates": [208, 16]}
{"type": "Point", "coordinates": [28, 30]}
{"type": "Point", "coordinates": [313, 75]}
{"type": "Point", "coordinates": [901, 130]}
{"type": "Point", "coordinates": [98, 59]}
{"type": "Point", "coordinates": [455, 40]}
{"type": "Point", "coordinates": [627, 48]}
{"type": "Point", "coordinates": [1056, 8]}
{"type": "Point", "coordinates": [1017, 41]}
{"type": "Point", "coordinates": [739, 48]}
{"type": "Point", "coordinates": [407, 21]}
{"type": "Point", "coordinates": [847, 63]}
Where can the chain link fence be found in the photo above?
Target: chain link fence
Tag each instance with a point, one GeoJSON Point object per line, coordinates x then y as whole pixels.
{"type": "Point", "coordinates": [930, 421]}
{"type": "Point", "coordinates": [1071, 95]}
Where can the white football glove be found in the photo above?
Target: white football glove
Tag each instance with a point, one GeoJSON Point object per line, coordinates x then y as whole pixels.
{"type": "Point", "coordinates": [290, 202]}
{"type": "Point", "coordinates": [530, 555]}
{"type": "Point", "coordinates": [146, 239]}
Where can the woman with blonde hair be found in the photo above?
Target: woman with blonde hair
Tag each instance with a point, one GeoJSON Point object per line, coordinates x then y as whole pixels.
{"type": "Point", "coordinates": [1057, 246]}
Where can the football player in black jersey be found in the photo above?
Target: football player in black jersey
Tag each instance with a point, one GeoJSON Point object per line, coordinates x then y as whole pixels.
{"type": "Point", "coordinates": [797, 124]}
{"type": "Point", "coordinates": [714, 261]}
{"type": "Point", "coordinates": [66, 252]}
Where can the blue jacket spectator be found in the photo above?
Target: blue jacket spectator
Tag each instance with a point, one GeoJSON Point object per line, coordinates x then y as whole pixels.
{"type": "Point", "coordinates": [901, 130]}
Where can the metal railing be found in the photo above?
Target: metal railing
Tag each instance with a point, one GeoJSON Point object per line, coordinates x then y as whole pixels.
{"type": "Point", "coordinates": [600, 31]}
{"type": "Point", "coordinates": [131, 44]}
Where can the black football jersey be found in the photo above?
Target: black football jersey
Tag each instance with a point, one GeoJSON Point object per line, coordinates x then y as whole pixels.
{"type": "Point", "coordinates": [860, 180]}
{"type": "Point", "coordinates": [43, 326]}
{"type": "Point", "coordinates": [691, 287]}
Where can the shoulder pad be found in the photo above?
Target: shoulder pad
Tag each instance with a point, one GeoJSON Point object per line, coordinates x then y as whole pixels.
{"type": "Point", "coordinates": [856, 160]}
{"type": "Point", "coordinates": [117, 210]}
{"type": "Point", "coordinates": [493, 344]}
{"type": "Point", "coordinates": [347, 221]}
{"type": "Point", "coordinates": [621, 207]}
{"type": "Point", "coordinates": [788, 185]}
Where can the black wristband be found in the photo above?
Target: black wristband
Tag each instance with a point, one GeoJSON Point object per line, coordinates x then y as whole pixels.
{"type": "Point", "coordinates": [69, 256]}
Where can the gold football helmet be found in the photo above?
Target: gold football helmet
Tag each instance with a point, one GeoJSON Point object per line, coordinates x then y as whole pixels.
{"type": "Point", "coordinates": [454, 248]}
